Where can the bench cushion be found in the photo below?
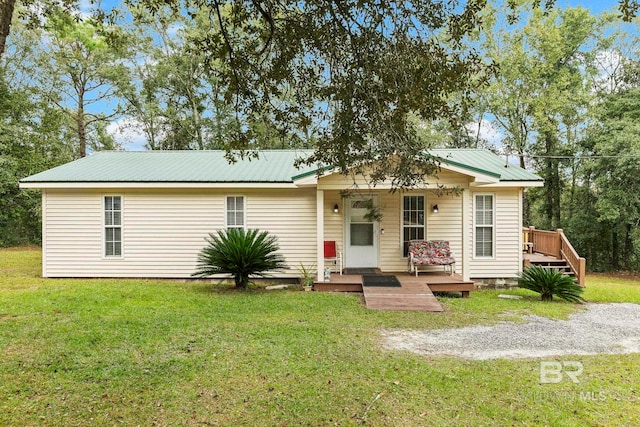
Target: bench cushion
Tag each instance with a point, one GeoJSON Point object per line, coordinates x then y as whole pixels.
{"type": "Point", "coordinates": [431, 252]}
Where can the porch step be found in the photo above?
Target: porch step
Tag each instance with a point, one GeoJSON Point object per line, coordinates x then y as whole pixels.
{"type": "Point", "coordinates": [558, 265]}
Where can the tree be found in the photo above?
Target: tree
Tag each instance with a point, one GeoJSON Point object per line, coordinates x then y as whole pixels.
{"type": "Point", "coordinates": [79, 70]}
{"type": "Point", "coordinates": [241, 253]}
{"type": "Point", "coordinates": [355, 70]}
{"type": "Point", "coordinates": [170, 92]}
{"type": "Point", "coordinates": [541, 93]}
{"type": "Point", "coordinates": [614, 140]}
{"type": "Point", "coordinates": [6, 14]}
{"type": "Point", "coordinates": [32, 139]}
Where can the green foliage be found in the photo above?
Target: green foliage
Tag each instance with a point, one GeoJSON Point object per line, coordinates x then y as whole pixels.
{"type": "Point", "coordinates": [31, 140]}
{"type": "Point", "coordinates": [541, 95]}
{"type": "Point", "coordinates": [550, 282]}
{"type": "Point", "coordinates": [239, 252]}
{"type": "Point", "coordinates": [307, 274]}
{"type": "Point", "coordinates": [347, 75]}
{"type": "Point", "coordinates": [611, 181]}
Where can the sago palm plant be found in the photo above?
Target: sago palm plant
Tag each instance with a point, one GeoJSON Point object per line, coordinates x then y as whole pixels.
{"type": "Point", "coordinates": [239, 253]}
{"type": "Point", "coordinates": [549, 283]}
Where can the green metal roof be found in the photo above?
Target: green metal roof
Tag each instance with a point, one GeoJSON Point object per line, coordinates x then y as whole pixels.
{"type": "Point", "coordinates": [484, 161]}
{"type": "Point", "coordinates": [272, 166]}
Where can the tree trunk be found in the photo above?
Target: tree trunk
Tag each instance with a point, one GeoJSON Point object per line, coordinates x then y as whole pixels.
{"type": "Point", "coordinates": [549, 182]}
{"type": "Point", "coordinates": [556, 194]}
{"type": "Point", "coordinates": [628, 247]}
{"type": "Point", "coordinates": [572, 194]}
{"type": "Point", "coordinates": [615, 250]}
{"type": "Point", "coordinates": [82, 130]}
{"type": "Point", "coordinates": [6, 13]}
{"type": "Point", "coordinates": [552, 182]}
{"type": "Point", "coordinates": [241, 281]}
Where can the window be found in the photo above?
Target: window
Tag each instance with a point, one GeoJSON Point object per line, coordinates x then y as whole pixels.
{"type": "Point", "coordinates": [483, 218]}
{"type": "Point", "coordinates": [235, 211]}
{"type": "Point", "coordinates": [412, 221]}
{"type": "Point", "coordinates": [112, 226]}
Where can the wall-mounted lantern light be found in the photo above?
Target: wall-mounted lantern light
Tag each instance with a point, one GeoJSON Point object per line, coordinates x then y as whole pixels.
{"type": "Point", "coordinates": [336, 208]}
{"type": "Point", "coordinates": [435, 209]}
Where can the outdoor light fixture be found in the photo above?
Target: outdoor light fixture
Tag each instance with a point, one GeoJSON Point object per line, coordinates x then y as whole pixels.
{"type": "Point", "coordinates": [336, 208]}
{"type": "Point", "coordinates": [435, 208]}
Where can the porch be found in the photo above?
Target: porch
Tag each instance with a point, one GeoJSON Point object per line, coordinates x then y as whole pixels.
{"type": "Point", "coordinates": [552, 250]}
{"type": "Point", "coordinates": [414, 293]}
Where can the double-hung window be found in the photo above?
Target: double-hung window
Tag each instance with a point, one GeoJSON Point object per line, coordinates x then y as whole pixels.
{"type": "Point", "coordinates": [235, 208]}
{"type": "Point", "coordinates": [484, 225]}
{"type": "Point", "coordinates": [412, 220]}
{"type": "Point", "coordinates": [112, 226]}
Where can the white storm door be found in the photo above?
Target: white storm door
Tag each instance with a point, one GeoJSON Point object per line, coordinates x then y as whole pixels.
{"type": "Point", "coordinates": [361, 233]}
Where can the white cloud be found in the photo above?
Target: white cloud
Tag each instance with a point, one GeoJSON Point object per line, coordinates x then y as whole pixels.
{"type": "Point", "coordinates": [488, 132]}
{"type": "Point", "coordinates": [128, 133]}
{"type": "Point", "coordinates": [609, 64]}
{"type": "Point", "coordinates": [174, 28]}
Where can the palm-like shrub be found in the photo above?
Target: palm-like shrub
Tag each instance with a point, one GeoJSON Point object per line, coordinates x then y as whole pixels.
{"type": "Point", "coordinates": [239, 253]}
{"type": "Point", "coordinates": [550, 282]}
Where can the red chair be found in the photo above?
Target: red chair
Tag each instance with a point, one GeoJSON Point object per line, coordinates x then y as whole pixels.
{"type": "Point", "coordinates": [332, 254]}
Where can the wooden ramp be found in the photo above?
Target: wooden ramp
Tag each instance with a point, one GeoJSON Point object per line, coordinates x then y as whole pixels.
{"type": "Point", "coordinates": [412, 295]}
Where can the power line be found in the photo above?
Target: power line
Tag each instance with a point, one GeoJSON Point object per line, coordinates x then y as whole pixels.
{"type": "Point", "coordinates": [576, 157]}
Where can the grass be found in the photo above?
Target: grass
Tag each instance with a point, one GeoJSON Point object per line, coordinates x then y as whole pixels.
{"type": "Point", "coordinates": [148, 352]}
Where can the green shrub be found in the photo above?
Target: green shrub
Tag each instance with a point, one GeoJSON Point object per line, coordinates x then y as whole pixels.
{"type": "Point", "coordinates": [239, 253]}
{"type": "Point", "coordinates": [550, 282]}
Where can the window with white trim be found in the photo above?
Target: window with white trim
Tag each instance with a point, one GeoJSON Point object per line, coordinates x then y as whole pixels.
{"type": "Point", "coordinates": [112, 226]}
{"type": "Point", "coordinates": [235, 211]}
{"type": "Point", "coordinates": [412, 221]}
{"type": "Point", "coordinates": [484, 225]}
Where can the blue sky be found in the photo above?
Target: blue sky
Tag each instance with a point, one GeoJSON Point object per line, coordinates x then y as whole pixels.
{"type": "Point", "coordinates": [594, 5]}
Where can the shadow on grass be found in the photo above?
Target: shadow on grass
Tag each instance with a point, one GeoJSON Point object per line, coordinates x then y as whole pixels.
{"type": "Point", "coordinates": [227, 287]}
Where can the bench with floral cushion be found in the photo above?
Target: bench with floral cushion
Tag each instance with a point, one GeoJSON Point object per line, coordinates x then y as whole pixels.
{"type": "Point", "coordinates": [428, 253]}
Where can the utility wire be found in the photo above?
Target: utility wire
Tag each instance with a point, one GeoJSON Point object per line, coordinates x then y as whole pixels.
{"type": "Point", "coordinates": [578, 157]}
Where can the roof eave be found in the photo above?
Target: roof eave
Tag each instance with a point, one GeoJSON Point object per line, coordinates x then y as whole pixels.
{"type": "Point", "coordinates": [510, 183]}
{"type": "Point", "coordinates": [154, 184]}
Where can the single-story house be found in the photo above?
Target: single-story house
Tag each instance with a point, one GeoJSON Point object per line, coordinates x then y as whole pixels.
{"type": "Point", "coordinates": [146, 214]}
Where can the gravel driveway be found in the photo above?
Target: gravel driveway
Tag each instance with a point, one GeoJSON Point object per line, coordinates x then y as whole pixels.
{"type": "Point", "coordinates": [600, 329]}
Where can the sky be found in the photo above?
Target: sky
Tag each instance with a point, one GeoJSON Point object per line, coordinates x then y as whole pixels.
{"type": "Point", "coordinates": [127, 132]}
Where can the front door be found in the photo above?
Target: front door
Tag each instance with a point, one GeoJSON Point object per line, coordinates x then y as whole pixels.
{"type": "Point", "coordinates": [361, 232]}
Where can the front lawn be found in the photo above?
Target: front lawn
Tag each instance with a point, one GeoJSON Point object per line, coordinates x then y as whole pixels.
{"type": "Point", "coordinates": [150, 352]}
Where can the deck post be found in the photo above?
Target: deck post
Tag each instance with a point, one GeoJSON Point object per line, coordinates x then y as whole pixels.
{"type": "Point", "coordinates": [582, 271]}
{"type": "Point", "coordinates": [532, 238]}
{"type": "Point", "coordinates": [320, 235]}
{"type": "Point", "coordinates": [559, 243]}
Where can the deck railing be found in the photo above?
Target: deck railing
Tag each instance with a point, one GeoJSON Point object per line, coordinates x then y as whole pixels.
{"type": "Point", "coordinates": [555, 244]}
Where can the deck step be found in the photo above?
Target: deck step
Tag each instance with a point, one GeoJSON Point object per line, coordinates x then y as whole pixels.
{"type": "Point", "coordinates": [558, 265]}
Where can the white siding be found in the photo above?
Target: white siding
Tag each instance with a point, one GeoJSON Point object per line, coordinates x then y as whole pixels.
{"type": "Point", "coordinates": [163, 230]}
{"type": "Point", "coordinates": [507, 260]}
{"type": "Point", "coordinates": [333, 222]}
{"type": "Point", "coordinates": [391, 241]}
{"type": "Point", "coordinates": [446, 225]}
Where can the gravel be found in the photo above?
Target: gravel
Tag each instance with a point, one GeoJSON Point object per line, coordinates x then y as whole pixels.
{"type": "Point", "coordinates": [600, 329]}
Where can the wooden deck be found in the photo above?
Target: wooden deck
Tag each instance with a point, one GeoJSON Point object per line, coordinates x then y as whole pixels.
{"type": "Point", "coordinates": [412, 295]}
{"type": "Point", "coordinates": [416, 293]}
{"type": "Point", "coordinates": [537, 257]}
